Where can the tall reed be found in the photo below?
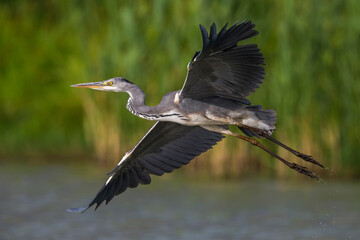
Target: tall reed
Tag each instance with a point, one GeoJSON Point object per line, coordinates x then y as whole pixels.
{"type": "Point", "coordinates": [311, 50]}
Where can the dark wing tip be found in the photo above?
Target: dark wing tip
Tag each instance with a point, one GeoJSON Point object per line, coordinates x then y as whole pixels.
{"type": "Point", "coordinates": [227, 38]}
{"type": "Point", "coordinates": [226, 58]}
{"type": "Point", "coordinates": [78, 210]}
{"type": "Point", "coordinates": [205, 37]}
{"type": "Point", "coordinates": [222, 31]}
{"type": "Point", "coordinates": [213, 34]}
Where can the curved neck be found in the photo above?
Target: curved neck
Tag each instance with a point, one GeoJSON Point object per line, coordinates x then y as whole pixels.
{"type": "Point", "coordinates": [136, 102]}
{"type": "Point", "coordinates": [164, 111]}
{"type": "Point", "coordinates": [137, 96]}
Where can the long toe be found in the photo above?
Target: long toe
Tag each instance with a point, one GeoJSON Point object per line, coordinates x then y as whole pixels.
{"type": "Point", "coordinates": [309, 158]}
{"type": "Point", "coordinates": [304, 171]}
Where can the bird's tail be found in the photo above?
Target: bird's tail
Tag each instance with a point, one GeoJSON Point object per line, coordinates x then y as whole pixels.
{"type": "Point", "coordinates": [267, 116]}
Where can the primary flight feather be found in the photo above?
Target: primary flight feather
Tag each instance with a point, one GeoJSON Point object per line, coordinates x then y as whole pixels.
{"type": "Point", "coordinates": [192, 120]}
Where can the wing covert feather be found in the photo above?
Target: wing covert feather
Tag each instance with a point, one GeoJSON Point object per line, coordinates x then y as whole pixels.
{"type": "Point", "coordinates": [223, 69]}
{"type": "Point", "coordinates": [166, 146]}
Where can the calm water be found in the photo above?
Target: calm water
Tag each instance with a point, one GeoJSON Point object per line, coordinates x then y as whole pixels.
{"type": "Point", "coordinates": [33, 203]}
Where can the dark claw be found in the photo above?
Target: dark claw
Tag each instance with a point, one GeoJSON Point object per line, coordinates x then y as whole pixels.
{"type": "Point", "coordinates": [309, 158]}
{"type": "Point", "coordinates": [303, 156]}
{"type": "Point", "coordinates": [303, 170]}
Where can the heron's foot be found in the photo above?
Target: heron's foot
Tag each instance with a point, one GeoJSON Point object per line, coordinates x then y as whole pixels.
{"type": "Point", "coordinates": [262, 133]}
{"type": "Point", "coordinates": [265, 133]}
{"type": "Point", "coordinates": [308, 158]}
{"type": "Point", "coordinates": [302, 170]}
{"type": "Point", "coordinates": [303, 156]}
{"type": "Point", "coordinates": [296, 167]}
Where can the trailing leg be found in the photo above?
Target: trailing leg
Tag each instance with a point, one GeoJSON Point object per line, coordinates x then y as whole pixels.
{"type": "Point", "coordinates": [265, 134]}
{"type": "Point", "coordinates": [303, 156]}
{"type": "Point", "coordinates": [294, 166]}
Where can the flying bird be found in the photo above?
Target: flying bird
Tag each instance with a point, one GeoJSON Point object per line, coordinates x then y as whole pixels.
{"type": "Point", "coordinates": [192, 120]}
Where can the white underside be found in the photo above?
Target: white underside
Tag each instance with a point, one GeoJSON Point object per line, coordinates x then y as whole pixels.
{"type": "Point", "coordinates": [121, 161]}
{"type": "Point", "coordinates": [198, 120]}
{"type": "Point", "coordinates": [253, 121]}
{"type": "Point", "coordinates": [256, 123]}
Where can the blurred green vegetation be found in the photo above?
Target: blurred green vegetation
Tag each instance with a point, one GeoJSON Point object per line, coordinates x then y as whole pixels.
{"type": "Point", "coordinates": [311, 49]}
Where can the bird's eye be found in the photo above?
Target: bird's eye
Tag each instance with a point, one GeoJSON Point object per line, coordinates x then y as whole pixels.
{"type": "Point", "coordinates": [110, 83]}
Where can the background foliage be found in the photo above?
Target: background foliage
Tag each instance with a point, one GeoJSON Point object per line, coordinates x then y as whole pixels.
{"type": "Point", "coordinates": [311, 50]}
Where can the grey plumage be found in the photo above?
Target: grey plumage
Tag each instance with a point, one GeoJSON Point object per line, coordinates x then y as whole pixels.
{"type": "Point", "coordinates": [223, 69]}
{"type": "Point", "coordinates": [181, 144]}
{"type": "Point", "coordinates": [192, 120]}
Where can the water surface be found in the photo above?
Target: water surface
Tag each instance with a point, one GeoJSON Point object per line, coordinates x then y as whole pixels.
{"type": "Point", "coordinates": [33, 203]}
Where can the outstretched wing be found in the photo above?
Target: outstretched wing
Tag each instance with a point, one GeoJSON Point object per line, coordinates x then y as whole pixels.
{"type": "Point", "coordinates": [223, 69]}
{"type": "Point", "coordinates": [165, 147]}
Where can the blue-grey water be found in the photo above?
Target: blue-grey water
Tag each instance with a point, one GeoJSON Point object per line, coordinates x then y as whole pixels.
{"type": "Point", "coordinates": [33, 203]}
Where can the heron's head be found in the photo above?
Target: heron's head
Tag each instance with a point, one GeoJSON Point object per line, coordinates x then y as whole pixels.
{"type": "Point", "coordinates": [117, 84]}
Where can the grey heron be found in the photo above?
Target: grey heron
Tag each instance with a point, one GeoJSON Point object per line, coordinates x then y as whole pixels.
{"type": "Point", "coordinates": [192, 120]}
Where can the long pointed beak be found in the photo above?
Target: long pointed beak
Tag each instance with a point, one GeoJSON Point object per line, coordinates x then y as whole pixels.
{"type": "Point", "coordinates": [93, 85]}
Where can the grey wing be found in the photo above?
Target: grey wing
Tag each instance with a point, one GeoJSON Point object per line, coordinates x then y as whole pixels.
{"type": "Point", "coordinates": [165, 147]}
{"type": "Point", "coordinates": [223, 69]}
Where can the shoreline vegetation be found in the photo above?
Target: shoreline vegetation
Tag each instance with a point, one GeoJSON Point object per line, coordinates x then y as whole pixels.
{"type": "Point", "coordinates": [310, 48]}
